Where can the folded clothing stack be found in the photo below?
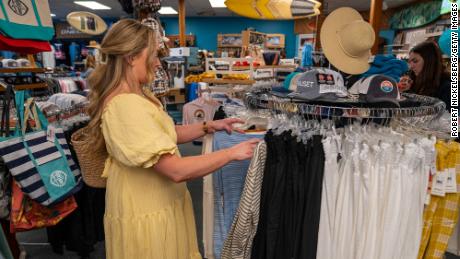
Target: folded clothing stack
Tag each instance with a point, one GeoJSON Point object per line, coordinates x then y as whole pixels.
{"type": "Point", "coordinates": [387, 65]}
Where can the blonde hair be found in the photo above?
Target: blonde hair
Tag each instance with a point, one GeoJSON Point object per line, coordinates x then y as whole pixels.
{"type": "Point", "coordinates": [125, 39]}
{"type": "Point", "coordinates": [90, 62]}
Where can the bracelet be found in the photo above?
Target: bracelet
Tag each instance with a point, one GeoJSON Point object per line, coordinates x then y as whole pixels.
{"type": "Point", "coordinates": [205, 127]}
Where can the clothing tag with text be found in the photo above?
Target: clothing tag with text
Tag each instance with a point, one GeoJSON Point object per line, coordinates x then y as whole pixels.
{"type": "Point", "coordinates": [50, 133]}
{"type": "Point", "coordinates": [451, 181]}
{"type": "Point", "coordinates": [439, 184]}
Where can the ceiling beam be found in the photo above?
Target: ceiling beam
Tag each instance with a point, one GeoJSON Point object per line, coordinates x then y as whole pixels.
{"type": "Point", "coordinates": [375, 19]}
{"type": "Point", "coordinates": [182, 23]}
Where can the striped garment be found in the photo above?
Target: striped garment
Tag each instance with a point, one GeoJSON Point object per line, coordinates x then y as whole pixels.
{"type": "Point", "coordinates": [24, 169]}
{"type": "Point", "coordinates": [238, 244]}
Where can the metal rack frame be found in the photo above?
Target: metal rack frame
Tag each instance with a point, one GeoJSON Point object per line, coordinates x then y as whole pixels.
{"type": "Point", "coordinates": [430, 109]}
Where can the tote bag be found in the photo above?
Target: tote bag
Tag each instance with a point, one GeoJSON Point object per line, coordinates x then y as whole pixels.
{"type": "Point", "coordinates": [37, 160]}
{"type": "Point", "coordinates": [27, 214]}
{"type": "Point", "coordinates": [26, 19]}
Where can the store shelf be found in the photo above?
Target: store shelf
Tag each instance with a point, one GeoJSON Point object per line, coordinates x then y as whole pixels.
{"type": "Point", "coordinates": [28, 87]}
{"type": "Point", "coordinates": [228, 81]}
{"type": "Point", "coordinates": [23, 70]}
{"type": "Point", "coordinates": [238, 68]}
{"type": "Point", "coordinates": [230, 46]}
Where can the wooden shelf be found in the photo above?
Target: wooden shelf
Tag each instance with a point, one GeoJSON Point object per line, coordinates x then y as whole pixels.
{"type": "Point", "coordinates": [230, 46]}
{"type": "Point", "coordinates": [23, 70]}
{"type": "Point", "coordinates": [237, 68]}
{"type": "Point", "coordinates": [27, 87]}
{"type": "Point", "coordinates": [228, 81]}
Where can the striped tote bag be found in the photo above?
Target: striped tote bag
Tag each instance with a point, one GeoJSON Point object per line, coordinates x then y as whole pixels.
{"type": "Point", "coordinates": [41, 162]}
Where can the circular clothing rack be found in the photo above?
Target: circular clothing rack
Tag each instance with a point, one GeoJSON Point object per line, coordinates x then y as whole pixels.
{"type": "Point", "coordinates": [414, 106]}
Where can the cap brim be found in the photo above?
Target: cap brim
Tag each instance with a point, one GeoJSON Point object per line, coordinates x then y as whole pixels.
{"type": "Point", "coordinates": [330, 43]}
{"type": "Point", "coordinates": [385, 100]}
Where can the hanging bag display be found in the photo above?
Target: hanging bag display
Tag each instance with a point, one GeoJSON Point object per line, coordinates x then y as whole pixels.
{"type": "Point", "coordinates": [40, 161]}
{"type": "Point", "coordinates": [27, 214]}
{"type": "Point", "coordinates": [26, 19]}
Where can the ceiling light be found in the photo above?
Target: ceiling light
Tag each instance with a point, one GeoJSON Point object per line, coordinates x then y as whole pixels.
{"type": "Point", "coordinates": [217, 3]}
{"type": "Point", "coordinates": [53, 15]}
{"type": "Point", "coordinates": [167, 10]}
{"type": "Point", "coordinates": [93, 5]}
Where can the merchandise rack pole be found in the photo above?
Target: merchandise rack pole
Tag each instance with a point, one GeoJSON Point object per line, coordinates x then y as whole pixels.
{"type": "Point", "coordinates": [375, 19]}
{"type": "Point", "coordinates": [182, 23]}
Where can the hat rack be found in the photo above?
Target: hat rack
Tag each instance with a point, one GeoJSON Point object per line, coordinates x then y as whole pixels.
{"type": "Point", "coordinates": [429, 109]}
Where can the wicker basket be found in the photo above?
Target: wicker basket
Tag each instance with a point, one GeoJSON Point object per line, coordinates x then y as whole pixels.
{"type": "Point", "coordinates": [91, 161]}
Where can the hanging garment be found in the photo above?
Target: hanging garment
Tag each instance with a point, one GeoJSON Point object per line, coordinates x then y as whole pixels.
{"type": "Point", "coordinates": [441, 215]}
{"type": "Point", "coordinates": [228, 184]}
{"type": "Point", "coordinates": [239, 239]}
{"type": "Point", "coordinates": [290, 199]}
{"type": "Point", "coordinates": [208, 204]}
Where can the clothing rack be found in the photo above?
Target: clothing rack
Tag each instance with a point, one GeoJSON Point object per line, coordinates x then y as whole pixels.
{"type": "Point", "coordinates": [429, 109]}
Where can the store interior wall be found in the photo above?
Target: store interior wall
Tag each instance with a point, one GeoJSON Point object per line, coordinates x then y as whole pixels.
{"type": "Point", "coordinates": [206, 29]}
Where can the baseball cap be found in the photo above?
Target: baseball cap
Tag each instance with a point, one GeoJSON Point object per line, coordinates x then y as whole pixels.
{"type": "Point", "coordinates": [320, 84]}
{"type": "Point", "coordinates": [9, 63]}
{"type": "Point", "coordinates": [377, 89]}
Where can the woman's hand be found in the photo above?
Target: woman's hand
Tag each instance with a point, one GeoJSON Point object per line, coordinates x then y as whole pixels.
{"type": "Point", "coordinates": [225, 124]}
{"type": "Point", "coordinates": [405, 83]}
{"type": "Point", "coordinates": [244, 150]}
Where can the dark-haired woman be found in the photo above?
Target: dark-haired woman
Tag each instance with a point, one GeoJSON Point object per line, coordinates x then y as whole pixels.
{"type": "Point", "coordinates": [428, 76]}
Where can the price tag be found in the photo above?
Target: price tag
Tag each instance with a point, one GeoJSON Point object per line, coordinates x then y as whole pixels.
{"type": "Point", "coordinates": [50, 133]}
{"type": "Point", "coordinates": [451, 181]}
{"type": "Point", "coordinates": [439, 184]}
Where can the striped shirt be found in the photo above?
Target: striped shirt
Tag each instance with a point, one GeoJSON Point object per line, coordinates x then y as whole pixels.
{"type": "Point", "coordinates": [244, 227]}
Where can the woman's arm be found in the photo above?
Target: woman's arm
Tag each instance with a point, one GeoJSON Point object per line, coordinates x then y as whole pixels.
{"type": "Point", "coordinates": [180, 169]}
{"type": "Point", "coordinates": [188, 133]}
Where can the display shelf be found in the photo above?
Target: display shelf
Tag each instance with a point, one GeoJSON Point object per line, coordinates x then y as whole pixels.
{"type": "Point", "coordinates": [23, 70]}
{"type": "Point", "coordinates": [262, 67]}
{"type": "Point", "coordinates": [28, 87]}
{"type": "Point", "coordinates": [228, 81]}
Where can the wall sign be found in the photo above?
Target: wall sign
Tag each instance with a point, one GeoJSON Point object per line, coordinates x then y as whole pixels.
{"type": "Point", "coordinates": [66, 31]}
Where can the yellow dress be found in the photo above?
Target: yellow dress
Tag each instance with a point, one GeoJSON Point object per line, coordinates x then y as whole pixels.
{"type": "Point", "coordinates": [146, 215]}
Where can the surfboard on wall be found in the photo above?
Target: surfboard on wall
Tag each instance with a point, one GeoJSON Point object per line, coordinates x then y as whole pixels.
{"type": "Point", "coordinates": [274, 9]}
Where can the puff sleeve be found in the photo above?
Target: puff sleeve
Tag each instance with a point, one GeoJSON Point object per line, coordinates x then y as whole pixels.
{"type": "Point", "coordinates": [134, 132]}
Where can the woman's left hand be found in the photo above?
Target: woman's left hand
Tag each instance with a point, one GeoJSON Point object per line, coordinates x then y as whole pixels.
{"type": "Point", "coordinates": [225, 124]}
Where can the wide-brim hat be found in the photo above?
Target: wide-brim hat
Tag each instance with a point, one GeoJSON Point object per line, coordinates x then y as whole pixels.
{"type": "Point", "coordinates": [93, 44]}
{"type": "Point", "coordinates": [347, 40]}
{"type": "Point", "coordinates": [87, 22]}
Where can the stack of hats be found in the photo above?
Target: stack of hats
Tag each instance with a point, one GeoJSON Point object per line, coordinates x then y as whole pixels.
{"type": "Point", "coordinates": [377, 89]}
{"type": "Point", "coordinates": [387, 65]}
{"type": "Point", "coordinates": [318, 84]}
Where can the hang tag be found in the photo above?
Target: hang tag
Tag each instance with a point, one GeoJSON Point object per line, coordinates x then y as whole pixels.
{"type": "Point", "coordinates": [451, 181]}
{"type": "Point", "coordinates": [439, 184]}
{"type": "Point", "coordinates": [50, 133]}
{"type": "Point", "coordinates": [427, 199]}
{"type": "Point", "coordinates": [433, 168]}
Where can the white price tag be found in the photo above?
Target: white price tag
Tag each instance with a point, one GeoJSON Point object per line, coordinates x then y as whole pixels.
{"type": "Point", "coordinates": [451, 181]}
{"type": "Point", "coordinates": [50, 133]}
{"type": "Point", "coordinates": [439, 184]}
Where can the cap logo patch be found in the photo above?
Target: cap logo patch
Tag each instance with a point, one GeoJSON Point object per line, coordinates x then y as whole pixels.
{"type": "Point", "coordinates": [386, 86]}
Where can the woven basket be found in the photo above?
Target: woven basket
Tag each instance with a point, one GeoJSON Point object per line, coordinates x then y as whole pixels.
{"type": "Point", "coordinates": [91, 161]}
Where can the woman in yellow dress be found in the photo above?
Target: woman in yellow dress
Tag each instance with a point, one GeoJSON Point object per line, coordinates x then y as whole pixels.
{"type": "Point", "coordinates": [148, 210]}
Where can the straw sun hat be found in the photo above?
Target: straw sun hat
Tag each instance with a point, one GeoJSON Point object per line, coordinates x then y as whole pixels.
{"type": "Point", "coordinates": [346, 40]}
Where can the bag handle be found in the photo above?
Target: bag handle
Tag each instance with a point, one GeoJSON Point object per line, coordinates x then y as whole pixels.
{"type": "Point", "coordinates": [31, 109]}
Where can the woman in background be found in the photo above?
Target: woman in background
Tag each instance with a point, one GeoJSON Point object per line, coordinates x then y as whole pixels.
{"type": "Point", "coordinates": [427, 73]}
{"type": "Point", "coordinates": [90, 65]}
